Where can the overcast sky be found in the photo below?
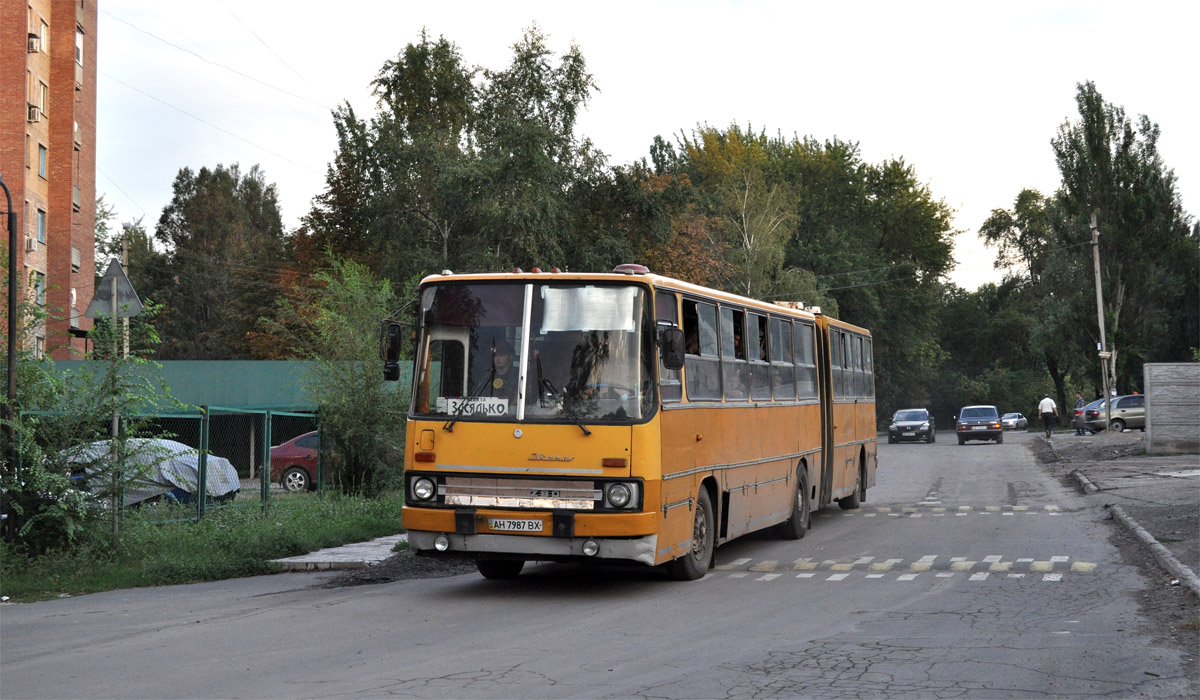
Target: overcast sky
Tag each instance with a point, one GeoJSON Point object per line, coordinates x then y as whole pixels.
{"type": "Point", "coordinates": [968, 93]}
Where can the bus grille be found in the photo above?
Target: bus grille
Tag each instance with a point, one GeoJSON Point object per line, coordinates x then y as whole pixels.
{"type": "Point", "coordinates": [520, 493]}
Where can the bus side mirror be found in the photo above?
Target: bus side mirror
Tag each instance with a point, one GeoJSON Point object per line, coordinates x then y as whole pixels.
{"type": "Point", "coordinates": [391, 352]}
{"type": "Point", "coordinates": [670, 348]}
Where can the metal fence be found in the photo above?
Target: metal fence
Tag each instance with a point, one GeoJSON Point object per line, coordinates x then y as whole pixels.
{"type": "Point", "coordinates": [228, 456]}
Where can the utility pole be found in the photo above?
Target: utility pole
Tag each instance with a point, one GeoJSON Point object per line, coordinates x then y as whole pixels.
{"type": "Point", "coordinates": [125, 266]}
{"type": "Point", "coordinates": [1105, 355]}
{"type": "Point", "coordinates": [11, 395]}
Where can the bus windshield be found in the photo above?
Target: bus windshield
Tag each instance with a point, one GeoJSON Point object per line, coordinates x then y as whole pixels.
{"type": "Point", "coordinates": [567, 352]}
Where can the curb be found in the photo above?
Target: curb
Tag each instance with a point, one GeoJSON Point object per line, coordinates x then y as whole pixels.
{"type": "Point", "coordinates": [1165, 559]}
{"type": "Point", "coordinates": [356, 555]}
{"type": "Point", "coordinates": [1084, 482]}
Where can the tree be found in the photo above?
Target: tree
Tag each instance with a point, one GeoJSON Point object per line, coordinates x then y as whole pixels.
{"type": "Point", "coordinates": [336, 323]}
{"type": "Point", "coordinates": [532, 165]}
{"type": "Point", "coordinates": [476, 169]}
{"type": "Point", "coordinates": [224, 242]}
{"type": "Point", "coordinates": [1150, 257]}
{"type": "Point", "coordinates": [801, 220]}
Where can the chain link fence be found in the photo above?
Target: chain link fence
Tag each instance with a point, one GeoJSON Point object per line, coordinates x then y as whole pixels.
{"type": "Point", "coordinates": [211, 457]}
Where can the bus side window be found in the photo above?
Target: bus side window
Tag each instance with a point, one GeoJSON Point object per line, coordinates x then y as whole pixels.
{"type": "Point", "coordinates": [782, 375]}
{"type": "Point", "coordinates": [870, 368]}
{"type": "Point", "coordinates": [835, 363]}
{"type": "Point", "coordinates": [806, 365]}
{"type": "Point", "coordinates": [735, 371]}
{"type": "Point", "coordinates": [759, 351]}
{"type": "Point", "coordinates": [702, 372]}
{"type": "Point", "coordinates": [670, 387]}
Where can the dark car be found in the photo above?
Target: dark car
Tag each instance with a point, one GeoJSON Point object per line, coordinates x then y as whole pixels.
{"type": "Point", "coordinates": [911, 424]}
{"type": "Point", "coordinates": [1127, 412]}
{"type": "Point", "coordinates": [979, 423]}
{"type": "Point", "coordinates": [294, 463]}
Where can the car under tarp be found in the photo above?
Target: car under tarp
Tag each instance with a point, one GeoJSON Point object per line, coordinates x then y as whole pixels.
{"type": "Point", "coordinates": [164, 467]}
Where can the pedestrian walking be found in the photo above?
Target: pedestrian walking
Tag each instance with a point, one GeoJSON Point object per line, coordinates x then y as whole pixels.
{"type": "Point", "coordinates": [1049, 411]}
{"type": "Point", "coordinates": [1079, 417]}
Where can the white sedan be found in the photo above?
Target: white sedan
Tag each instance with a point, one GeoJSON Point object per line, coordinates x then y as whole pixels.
{"type": "Point", "coordinates": [1014, 421]}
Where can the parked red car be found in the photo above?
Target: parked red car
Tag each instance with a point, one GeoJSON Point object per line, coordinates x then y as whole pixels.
{"type": "Point", "coordinates": [294, 463]}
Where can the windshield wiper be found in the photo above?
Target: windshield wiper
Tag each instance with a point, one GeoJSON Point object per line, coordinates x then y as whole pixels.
{"type": "Point", "coordinates": [546, 387]}
{"type": "Point", "coordinates": [449, 426]}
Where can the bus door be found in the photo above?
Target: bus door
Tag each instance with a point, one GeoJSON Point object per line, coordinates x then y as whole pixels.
{"type": "Point", "coordinates": [826, 393]}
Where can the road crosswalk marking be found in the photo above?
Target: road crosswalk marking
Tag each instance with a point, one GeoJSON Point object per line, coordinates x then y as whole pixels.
{"type": "Point", "coordinates": [876, 567]}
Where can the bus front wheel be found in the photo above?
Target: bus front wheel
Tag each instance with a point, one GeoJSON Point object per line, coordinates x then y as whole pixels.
{"type": "Point", "coordinates": [694, 564]}
{"type": "Point", "coordinates": [797, 525]}
{"type": "Point", "coordinates": [499, 568]}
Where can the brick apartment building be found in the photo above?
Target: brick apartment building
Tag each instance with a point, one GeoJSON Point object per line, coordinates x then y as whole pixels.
{"type": "Point", "coordinates": [48, 160]}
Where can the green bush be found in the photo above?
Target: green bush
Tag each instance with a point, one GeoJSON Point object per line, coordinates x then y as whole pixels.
{"type": "Point", "coordinates": [159, 545]}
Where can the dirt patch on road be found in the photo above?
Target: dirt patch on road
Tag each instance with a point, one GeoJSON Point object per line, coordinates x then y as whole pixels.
{"type": "Point", "coordinates": [401, 566]}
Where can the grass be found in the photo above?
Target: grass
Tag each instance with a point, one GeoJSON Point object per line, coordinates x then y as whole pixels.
{"type": "Point", "coordinates": [157, 547]}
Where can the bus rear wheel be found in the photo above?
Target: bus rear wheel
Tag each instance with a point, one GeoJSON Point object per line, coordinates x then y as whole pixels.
{"type": "Point", "coordinates": [499, 568]}
{"type": "Point", "coordinates": [695, 563]}
{"type": "Point", "coordinates": [796, 526]}
{"type": "Point", "coordinates": [855, 499]}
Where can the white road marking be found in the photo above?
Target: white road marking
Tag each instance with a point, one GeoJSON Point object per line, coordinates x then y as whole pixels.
{"type": "Point", "coordinates": [978, 576]}
{"type": "Point", "coordinates": [1052, 577]}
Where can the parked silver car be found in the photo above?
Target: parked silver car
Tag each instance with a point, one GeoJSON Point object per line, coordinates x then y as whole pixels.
{"type": "Point", "coordinates": [1127, 412]}
{"type": "Point", "coordinates": [1014, 421]}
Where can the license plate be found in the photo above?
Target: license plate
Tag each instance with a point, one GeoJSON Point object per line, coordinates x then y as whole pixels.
{"type": "Point", "coordinates": [979, 427]}
{"type": "Point", "coordinates": [909, 434]}
{"type": "Point", "coordinates": [511, 525]}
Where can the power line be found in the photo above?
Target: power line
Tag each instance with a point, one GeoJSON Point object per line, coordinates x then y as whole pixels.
{"type": "Point", "coordinates": [210, 124]}
{"type": "Point", "coordinates": [127, 195]}
{"type": "Point", "coordinates": [264, 43]}
{"type": "Point", "coordinates": [214, 63]}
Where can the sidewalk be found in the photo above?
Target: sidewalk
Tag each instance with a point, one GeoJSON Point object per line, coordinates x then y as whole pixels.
{"type": "Point", "coordinates": [358, 555]}
{"type": "Point", "coordinates": [1157, 498]}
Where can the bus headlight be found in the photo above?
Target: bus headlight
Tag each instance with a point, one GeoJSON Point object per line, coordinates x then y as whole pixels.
{"type": "Point", "coordinates": [619, 495]}
{"type": "Point", "coordinates": [423, 488]}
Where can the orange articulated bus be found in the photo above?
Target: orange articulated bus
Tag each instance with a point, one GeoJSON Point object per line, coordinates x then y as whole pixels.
{"type": "Point", "coordinates": [624, 417]}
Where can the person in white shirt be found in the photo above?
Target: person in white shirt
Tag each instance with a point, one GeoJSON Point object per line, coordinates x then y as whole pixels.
{"type": "Point", "coordinates": [1049, 411]}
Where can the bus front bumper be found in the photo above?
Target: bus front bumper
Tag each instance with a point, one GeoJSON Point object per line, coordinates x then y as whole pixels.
{"type": "Point", "coordinates": [635, 549]}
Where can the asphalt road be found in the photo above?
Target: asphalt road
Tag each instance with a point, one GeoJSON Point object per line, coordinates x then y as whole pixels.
{"type": "Point", "coordinates": [970, 572]}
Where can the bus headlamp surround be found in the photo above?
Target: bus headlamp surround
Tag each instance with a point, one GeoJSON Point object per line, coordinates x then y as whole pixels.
{"type": "Point", "coordinates": [619, 495]}
{"type": "Point", "coordinates": [423, 488]}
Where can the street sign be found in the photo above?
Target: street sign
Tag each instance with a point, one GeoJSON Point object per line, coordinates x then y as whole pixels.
{"type": "Point", "coordinates": [128, 303]}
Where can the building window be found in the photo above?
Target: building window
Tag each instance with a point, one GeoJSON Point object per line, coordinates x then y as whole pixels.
{"type": "Point", "coordinates": [39, 285]}
{"type": "Point", "coordinates": [79, 45]}
{"type": "Point", "coordinates": [45, 37]}
{"type": "Point", "coordinates": [39, 347]}
{"type": "Point", "coordinates": [41, 226]}
{"type": "Point", "coordinates": [43, 96]}
{"type": "Point", "coordinates": [42, 153]}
